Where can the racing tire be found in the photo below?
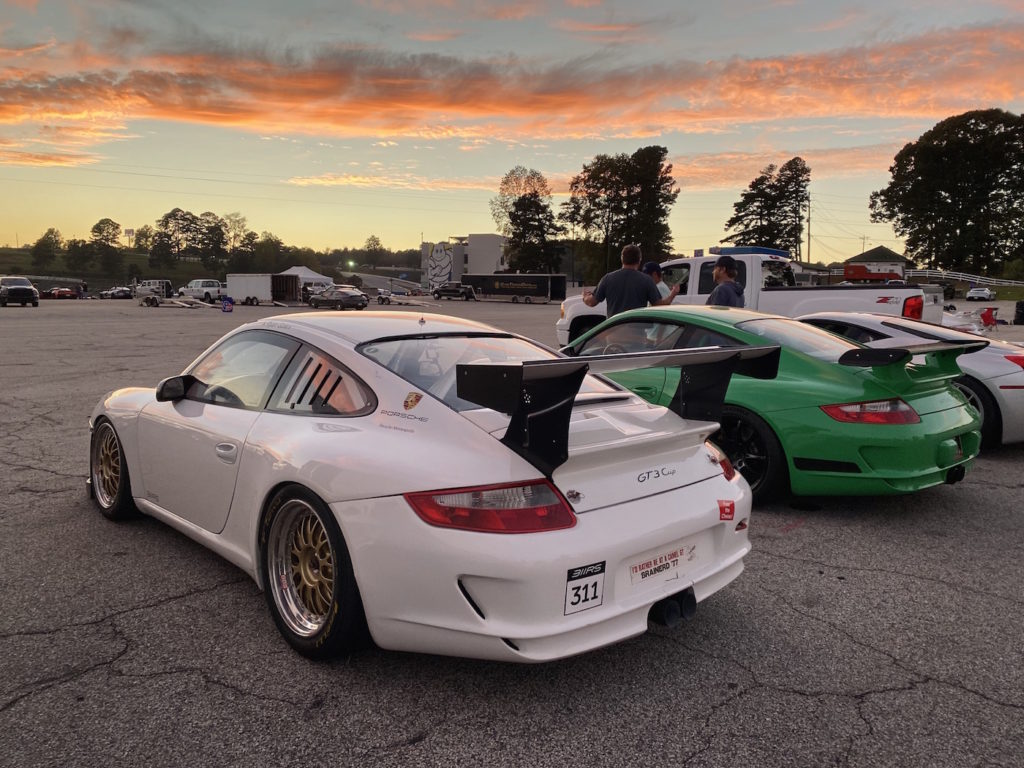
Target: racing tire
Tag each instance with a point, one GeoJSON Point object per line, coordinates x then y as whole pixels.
{"type": "Point", "coordinates": [983, 402]}
{"type": "Point", "coordinates": [755, 452]}
{"type": "Point", "coordinates": [307, 576]}
{"type": "Point", "coordinates": [108, 473]}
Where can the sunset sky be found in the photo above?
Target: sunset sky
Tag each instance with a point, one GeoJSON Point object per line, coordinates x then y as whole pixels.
{"type": "Point", "coordinates": [328, 122]}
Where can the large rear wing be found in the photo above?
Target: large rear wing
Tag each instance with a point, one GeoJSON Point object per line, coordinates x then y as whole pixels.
{"type": "Point", "coordinates": [892, 364]}
{"type": "Point", "coordinates": [538, 395]}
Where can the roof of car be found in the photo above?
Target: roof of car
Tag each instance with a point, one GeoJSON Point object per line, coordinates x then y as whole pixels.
{"type": "Point", "coordinates": [366, 326]}
{"type": "Point", "coordinates": [728, 315]}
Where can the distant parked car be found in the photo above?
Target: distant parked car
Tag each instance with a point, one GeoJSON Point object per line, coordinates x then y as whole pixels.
{"type": "Point", "coordinates": [992, 380]}
{"type": "Point", "coordinates": [117, 292]}
{"type": "Point", "coordinates": [204, 289]}
{"type": "Point", "coordinates": [339, 298]}
{"type": "Point", "coordinates": [454, 291]}
{"type": "Point", "coordinates": [981, 294]}
{"type": "Point", "coordinates": [18, 290]}
{"type": "Point", "coordinates": [58, 292]}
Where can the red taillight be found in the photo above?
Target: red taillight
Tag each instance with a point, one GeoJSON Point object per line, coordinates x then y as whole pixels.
{"type": "Point", "coordinates": [512, 508]}
{"type": "Point", "coordinates": [723, 461]}
{"type": "Point", "coordinates": [914, 307]}
{"type": "Point", "coordinates": [876, 412]}
{"type": "Point", "coordinates": [1016, 359]}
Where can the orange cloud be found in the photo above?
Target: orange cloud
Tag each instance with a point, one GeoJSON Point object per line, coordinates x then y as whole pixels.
{"type": "Point", "coordinates": [735, 170]}
{"type": "Point", "coordinates": [9, 157]}
{"type": "Point", "coordinates": [436, 36]}
{"type": "Point", "coordinates": [346, 92]}
{"type": "Point", "coordinates": [386, 180]}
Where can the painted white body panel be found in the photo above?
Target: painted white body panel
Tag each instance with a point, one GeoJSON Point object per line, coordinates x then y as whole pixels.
{"type": "Point", "coordinates": [641, 478]}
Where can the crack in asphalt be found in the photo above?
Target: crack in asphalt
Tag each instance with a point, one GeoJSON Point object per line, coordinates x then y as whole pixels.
{"type": "Point", "coordinates": [124, 612]}
{"type": "Point", "coordinates": [888, 572]}
{"type": "Point", "coordinates": [7, 464]}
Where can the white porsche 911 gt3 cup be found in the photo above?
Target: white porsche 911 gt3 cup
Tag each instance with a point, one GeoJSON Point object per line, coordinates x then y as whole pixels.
{"type": "Point", "coordinates": [449, 487]}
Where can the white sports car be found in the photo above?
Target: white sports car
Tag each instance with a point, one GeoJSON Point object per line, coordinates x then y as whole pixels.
{"type": "Point", "coordinates": [447, 486]}
{"type": "Point", "coordinates": [992, 380]}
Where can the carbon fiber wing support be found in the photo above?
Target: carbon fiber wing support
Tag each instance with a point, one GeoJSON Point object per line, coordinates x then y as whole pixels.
{"type": "Point", "coordinates": [538, 395]}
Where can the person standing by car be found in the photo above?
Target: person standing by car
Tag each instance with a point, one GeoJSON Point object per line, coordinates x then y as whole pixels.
{"type": "Point", "coordinates": [653, 269]}
{"type": "Point", "coordinates": [83, 290]}
{"type": "Point", "coordinates": [627, 288]}
{"type": "Point", "coordinates": [727, 292]}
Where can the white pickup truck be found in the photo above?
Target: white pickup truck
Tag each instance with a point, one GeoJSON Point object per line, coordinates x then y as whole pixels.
{"type": "Point", "coordinates": [204, 290]}
{"type": "Point", "coordinates": [768, 286]}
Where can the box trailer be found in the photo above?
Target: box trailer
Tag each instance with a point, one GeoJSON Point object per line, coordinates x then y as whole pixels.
{"type": "Point", "coordinates": [517, 286]}
{"type": "Point", "coordinates": [263, 288]}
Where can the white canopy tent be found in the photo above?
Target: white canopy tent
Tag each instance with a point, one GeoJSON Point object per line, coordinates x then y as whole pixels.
{"type": "Point", "coordinates": [307, 275]}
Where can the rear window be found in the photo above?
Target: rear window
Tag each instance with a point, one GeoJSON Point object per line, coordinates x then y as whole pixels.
{"type": "Point", "coordinates": [429, 363]}
{"type": "Point", "coordinates": [793, 334]}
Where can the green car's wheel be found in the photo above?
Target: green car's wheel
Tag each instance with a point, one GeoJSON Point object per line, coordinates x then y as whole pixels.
{"type": "Point", "coordinates": [978, 397]}
{"type": "Point", "coordinates": [754, 451]}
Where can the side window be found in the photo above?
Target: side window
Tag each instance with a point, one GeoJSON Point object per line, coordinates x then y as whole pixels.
{"type": "Point", "coordinates": [241, 371]}
{"type": "Point", "coordinates": [641, 336]}
{"type": "Point", "coordinates": [679, 275]}
{"type": "Point", "coordinates": [706, 280]}
{"type": "Point", "coordinates": [704, 337]}
{"type": "Point", "coordinates": [316, 384]}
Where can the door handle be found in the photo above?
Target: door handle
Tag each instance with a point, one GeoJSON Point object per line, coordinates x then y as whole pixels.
{"type": "Point", "coordinates": [227, 452]}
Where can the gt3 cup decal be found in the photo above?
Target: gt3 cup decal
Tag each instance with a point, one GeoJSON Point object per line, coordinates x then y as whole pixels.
{"type": "Point", "coordinates": [654, 474]}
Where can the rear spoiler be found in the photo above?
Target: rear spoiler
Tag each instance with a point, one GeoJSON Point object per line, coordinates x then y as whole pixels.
{"type": "Point", "coordinates": [890, 363]}
{"type": "Point", "coordinates": [539, 394]}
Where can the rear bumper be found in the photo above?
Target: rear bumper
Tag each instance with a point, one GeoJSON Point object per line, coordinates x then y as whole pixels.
{"type": "Point", "coordinates": [504, 597]}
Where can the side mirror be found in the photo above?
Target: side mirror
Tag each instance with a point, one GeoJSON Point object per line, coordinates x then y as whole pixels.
{"type": "Point", "coordinates": [174, 388]}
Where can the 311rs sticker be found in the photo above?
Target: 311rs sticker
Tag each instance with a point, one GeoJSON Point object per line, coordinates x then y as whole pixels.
{"type": "Point", "coordinates": [584, 587]}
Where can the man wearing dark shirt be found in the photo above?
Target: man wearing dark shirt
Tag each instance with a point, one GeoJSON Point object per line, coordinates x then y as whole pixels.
{"type": "Point", "coordinates": [627, 288]}
{"type": "Point", "coordinates": [727, 292]}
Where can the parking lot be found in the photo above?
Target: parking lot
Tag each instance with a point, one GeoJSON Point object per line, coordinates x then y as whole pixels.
{"type": "Point", "coordinates": [864, 631]}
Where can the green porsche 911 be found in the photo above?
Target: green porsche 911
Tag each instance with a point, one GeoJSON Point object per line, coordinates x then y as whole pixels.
{"type": "Point", "coordinates": [839, 418]}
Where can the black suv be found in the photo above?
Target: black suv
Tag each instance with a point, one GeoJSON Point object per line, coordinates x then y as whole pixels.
{"type": "Point", "coordinates": [18, 290]}
{"type": "Point", "coordinates": [454, 291]}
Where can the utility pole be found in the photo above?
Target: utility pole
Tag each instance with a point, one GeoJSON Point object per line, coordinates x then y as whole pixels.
{"type": "Point", "coordinates": [808, 226]}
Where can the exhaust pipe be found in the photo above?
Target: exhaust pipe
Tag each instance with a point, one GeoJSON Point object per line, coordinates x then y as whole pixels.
{"type": "Point", "coordinates": [955, 474]}
{"type": "Point", "coordinates": [669, 611]}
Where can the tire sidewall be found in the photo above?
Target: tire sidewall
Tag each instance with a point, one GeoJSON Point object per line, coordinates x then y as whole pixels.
{"type": "Point", "coordinates": [344, 630]}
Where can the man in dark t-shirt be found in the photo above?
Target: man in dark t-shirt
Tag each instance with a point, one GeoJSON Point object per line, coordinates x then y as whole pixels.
{"type": "Point", "coordinates": [627, 288]}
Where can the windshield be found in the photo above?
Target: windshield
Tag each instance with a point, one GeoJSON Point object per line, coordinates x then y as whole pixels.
{"type": "Point", "coordinates": [13, 281]}
{"type": "Point", "coordinates": [429, 363]}
{"type": "Point", "coordinates": [801, 337]}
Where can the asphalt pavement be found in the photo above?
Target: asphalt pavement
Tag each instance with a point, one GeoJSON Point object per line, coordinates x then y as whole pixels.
{"type": "Point", "coordinates": [864, 631]}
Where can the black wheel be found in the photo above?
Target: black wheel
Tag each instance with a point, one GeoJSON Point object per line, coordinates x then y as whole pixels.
{"type": "Point", "coordinates": [108, 473]}
{"type": "Point", "coordinates": [515, 299]}
{"type": "Point", "coordinates": [528, 300]}
{"type": "Point", "coordinates": [307, 576]}
{"type": "Point", "coordinates": [754, 451]}
{"type": "Point", "coordinates": [988, 409]}
{"type": "Point", "coordinates": [3, 303]}
{"type": "Point", "coordinates": [437, 296]}
{"type": "Point", "coordinates": [35, 303]}
{"type": "Point", "coordinates": [465, 297]}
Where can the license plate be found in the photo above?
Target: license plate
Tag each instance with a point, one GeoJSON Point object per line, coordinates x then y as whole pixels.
{"type": "Point", "coordinates": [584, 587]}
{"type": "Point", "coordinates": [662, 565]}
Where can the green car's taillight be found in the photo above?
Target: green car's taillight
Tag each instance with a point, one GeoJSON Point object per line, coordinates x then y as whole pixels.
{"type": "Point", "coordinates": [893, 411]}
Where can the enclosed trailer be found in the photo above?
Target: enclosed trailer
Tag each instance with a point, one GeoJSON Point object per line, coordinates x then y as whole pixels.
{"type": "Point", "coordinates": [263, 288]}
{"type": "Point", "coordinates": [517, 286]}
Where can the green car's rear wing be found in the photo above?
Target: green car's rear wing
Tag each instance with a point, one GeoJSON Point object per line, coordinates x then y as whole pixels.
{"type": "Point", "coordinates": [891, 365]}
{"type": "Point", "coordinates": [539, 394]}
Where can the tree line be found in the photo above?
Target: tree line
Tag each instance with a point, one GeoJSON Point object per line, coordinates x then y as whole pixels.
{"type": "Point", "coordinates": [221, 244]}
{"type": "Point", "coordinates": [956, 195]}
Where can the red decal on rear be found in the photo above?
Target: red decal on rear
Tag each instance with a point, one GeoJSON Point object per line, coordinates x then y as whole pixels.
{"type": "Point", "coordinates": [726, 509]}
